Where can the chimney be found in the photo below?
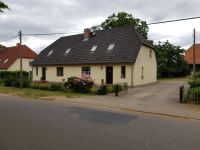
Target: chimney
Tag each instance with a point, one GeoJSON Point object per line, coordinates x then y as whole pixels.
{"type": "Point", "coordinates": [18, 44]}
{"type": "Point", "coordinates": [87, 34]}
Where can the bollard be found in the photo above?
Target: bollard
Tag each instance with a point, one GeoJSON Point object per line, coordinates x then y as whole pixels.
{"type": "Point", "coordinates": [116, 90]}
{"type": "Point", "coordinates": [181, 93]}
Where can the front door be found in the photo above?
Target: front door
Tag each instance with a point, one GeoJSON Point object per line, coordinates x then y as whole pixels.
{"type": "Point", "coordinates": [109, 75]}
{"type": "Point", "coordinates": [43, 73]}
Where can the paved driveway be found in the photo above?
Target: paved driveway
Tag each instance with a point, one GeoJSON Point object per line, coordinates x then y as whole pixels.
{"type": "Point", "coordinates": [161, 98]}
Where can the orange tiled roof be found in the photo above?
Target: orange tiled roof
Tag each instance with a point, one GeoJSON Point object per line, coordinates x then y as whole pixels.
{"type": "Point", "coordinates": [10, 54]}
{"type": "Point", "coordinates": [189, 54]}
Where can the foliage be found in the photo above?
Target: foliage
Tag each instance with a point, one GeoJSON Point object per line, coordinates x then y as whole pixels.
{"type": "Point", "coordinates": [196, 75]}
{"type": "Point", "coordinates": [49, 86]}
{"type": "Point", "coordinates": [102, 90]}
{"type": "Point", "coordinates": [12, 78]}
{"type": "Point", "coordinates": [193, 94]}
{"type": "Point", "coordinates": [82, 85]}
{"type": "Point", "coordinates": [2, 46]}
{"type": "Point", "coordinates": [3, 6]}
{"type": "Point", "coordinates": [170, 60]}
{"type": "Point", "coordinates": [194, 83]}
{"type": "Point", "coordinates": [124, 19]}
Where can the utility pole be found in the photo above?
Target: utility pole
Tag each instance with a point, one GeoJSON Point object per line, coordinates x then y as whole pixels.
{"type": "Point", "coordinates": [20, 55]}
{"type": "Point", "coordinates": [194, 47]}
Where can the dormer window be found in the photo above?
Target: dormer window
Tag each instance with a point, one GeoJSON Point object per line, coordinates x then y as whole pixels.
{"type": "Point", "coordinates": [49, 54]}
{"type": "Point", "coordinates": [67, 51]}
{"type": "Point", "coordinates": [111, 46]}
{"type": "Point", "coordinates": [93, 49]}
{"type": "Point", "coordinates": [5, 61]}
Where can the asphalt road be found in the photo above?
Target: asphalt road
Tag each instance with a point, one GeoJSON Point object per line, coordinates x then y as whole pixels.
{"type": "Point", "coordinates": [57, 125]}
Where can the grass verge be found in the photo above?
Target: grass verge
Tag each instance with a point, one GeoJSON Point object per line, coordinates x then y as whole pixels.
{"type": "Point", "coordinates": [38, 94]}
{"type": "Point", "coordinates": [174, 79]}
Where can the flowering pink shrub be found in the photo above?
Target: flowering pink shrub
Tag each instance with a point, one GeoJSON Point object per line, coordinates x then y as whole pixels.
{"type": "Point", "coordinates": [82, 85]}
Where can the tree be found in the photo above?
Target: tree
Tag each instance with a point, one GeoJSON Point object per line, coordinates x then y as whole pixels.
{"type": "Point", "coordinates": [124, 19]}
{"type": "Point", "coordinates": [2, 46]}
{"type": "Point", "coordinates": [3, 6]}
{"type": "Point", "coordinates": [170, 60]}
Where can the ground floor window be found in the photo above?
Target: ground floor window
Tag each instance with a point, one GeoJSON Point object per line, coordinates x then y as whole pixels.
{"type": "Point", "coordinates": [142, 73]}
{"type": "Point", "coordinates": [123, 72]}
{"type": "Point", "coordinates": [85, 70]}
{"type": "Point", "coordinates": [36, 71]}
{"type": "Point", "coordinates": [59, 71]}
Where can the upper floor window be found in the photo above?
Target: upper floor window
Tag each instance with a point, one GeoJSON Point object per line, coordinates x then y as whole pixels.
{"type": "Point", "coordinates": [60, 71]}
{"type": "Point", "coordinates": [150, 54]}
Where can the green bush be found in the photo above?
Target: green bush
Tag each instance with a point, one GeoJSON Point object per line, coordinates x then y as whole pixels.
{"type": "Point", "coordinates": [196, 75]}
{"type": "Point", "coordinates": [102, 90]}
{"type": "Point", "coordinates": [56, 87]}
{"type": "Point", "coordinates": [12, 78]}
{"type": "Point", "coordinates": [194, 83]}
{"type": "Point", "coordinates": [193, 94]}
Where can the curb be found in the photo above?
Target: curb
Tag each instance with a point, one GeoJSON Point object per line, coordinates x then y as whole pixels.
{"type": "Point", "coordinates": [135, 110]}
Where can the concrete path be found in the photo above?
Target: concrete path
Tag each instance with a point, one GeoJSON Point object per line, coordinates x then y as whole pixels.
{"type": "Point", "coordinates": [161, 98]}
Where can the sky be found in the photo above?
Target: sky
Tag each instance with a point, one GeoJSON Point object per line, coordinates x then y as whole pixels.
{"type": "Point", "coordinates": [73, 16]}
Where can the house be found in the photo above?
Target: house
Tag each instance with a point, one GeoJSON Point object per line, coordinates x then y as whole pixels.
{"type": "Point", "coordinates": [189, 56]}
{"type": "Point", "coordinates": [109, 56]}
{"type": "Point", "coordinates": [10, 58]}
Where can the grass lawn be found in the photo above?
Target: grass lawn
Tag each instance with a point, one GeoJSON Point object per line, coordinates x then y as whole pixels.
{"type": "Point", "coordinates": [38, 94]}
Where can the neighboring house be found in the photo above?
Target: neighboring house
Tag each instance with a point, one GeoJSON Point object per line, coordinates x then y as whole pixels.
{"type": "Point", "coordinates": [110, 56]}
{"type": "Point", "coordinates": [10, 58]}
{"type": "Point", "coordinates": [189, 56]}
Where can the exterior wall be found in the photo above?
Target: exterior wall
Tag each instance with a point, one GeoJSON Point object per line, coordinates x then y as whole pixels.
{"type": "Point", "coordinates": [25, 65]}
{"type": "Point", "coordinates": [149, 67]}
{"type": "Point", "coordinates": [98, 72]}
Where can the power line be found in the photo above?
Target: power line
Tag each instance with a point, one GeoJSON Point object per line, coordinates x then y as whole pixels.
{"type": "Point", "coordinates": [43, 34]}
{"type": "Point", "coordinates": [40, 34]}
{"type": "Point", "coordinates": [176, 20]}
{"type": "Point", "coordinates": [9, 38]}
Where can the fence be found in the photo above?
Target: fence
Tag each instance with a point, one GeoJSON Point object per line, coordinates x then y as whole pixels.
{"type": "Point", "coordinates": [189, 94]}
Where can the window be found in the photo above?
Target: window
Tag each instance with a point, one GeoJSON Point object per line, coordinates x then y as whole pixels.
{"type": "Point", "coordinates": [5, 61]}
{"type": "Point", "coordinates": [150, 54]}
{"type": "Point", "coordinates": [67, 51]}
{"type": "Point", "coordinates": [142, 73]}
{"type": "Point", "coordinates": [49, 54]}
{"type": "Point", "coordinates": [59, 71]}
{"type": "Point", "coordinates": [36, 72]}
{"type": "Point", "coordinates": [85, 70]}
{"type": "Point", "coordinates": [93, 48]}
{"type": "Point", "coordinates": [123, 72]}
{"type": "Point", "coordinates": [111, 47]}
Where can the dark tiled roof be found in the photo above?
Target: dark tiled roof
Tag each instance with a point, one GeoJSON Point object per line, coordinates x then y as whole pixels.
{"type": "Point", "coordinates": [127, 44]}
{"type": "Point", "coordinates": [10, 54]}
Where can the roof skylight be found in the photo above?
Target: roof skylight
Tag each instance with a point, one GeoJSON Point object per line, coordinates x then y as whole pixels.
{"type": "Point", "coordinates": [93, 48]}
{"type": "Point", "coordinates": [111, 46]}
{"type": "Point", "coordinates": [5, 61]}
{"type": "Point", "coordinates": [67, 51]}
{"type": "Point", "coordinates": [49, 54]}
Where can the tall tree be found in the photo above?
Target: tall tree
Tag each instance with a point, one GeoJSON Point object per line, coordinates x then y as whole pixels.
{"type": "Point", "coordinates": [124, 19]}
{"type": "Point", "coordinates": [170, 60]}
{"type": "Point", "coordinates": [3, 6]}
